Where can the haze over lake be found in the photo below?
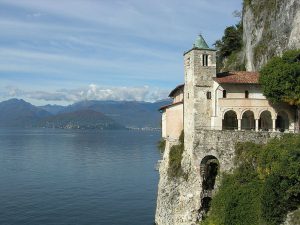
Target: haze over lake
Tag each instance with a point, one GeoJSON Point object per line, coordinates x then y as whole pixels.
{"type": "Point", "coordinates": [78, 177]}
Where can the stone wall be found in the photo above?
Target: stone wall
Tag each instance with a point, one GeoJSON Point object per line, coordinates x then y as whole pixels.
{"type": "Point", "coordinates": [179, 199]}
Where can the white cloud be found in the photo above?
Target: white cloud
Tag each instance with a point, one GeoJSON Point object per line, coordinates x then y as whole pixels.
{"type": "Point", "coordinates": [92, 92]}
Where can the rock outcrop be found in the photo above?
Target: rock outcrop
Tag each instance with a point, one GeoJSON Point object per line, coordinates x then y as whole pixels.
{"type": "Point", "coordinates": [270, 27]}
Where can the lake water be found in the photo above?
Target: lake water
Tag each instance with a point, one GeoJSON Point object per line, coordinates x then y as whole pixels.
{"type": "Point", "coordinates": [64, 177]}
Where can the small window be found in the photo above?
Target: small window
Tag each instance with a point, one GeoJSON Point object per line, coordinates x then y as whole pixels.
{"type": "Point", "coordinates": [205, 60]}
{"type": "Point", "coordinates": [208, 95]}
{"type": "Point", "coordinates": [246, 94]}
{"type": "Point", "coordinates": [188, 95]}
{"type": "Point", "coordinates": [224, 94]}
{"type": "Point", "coordinates": [188, 61]}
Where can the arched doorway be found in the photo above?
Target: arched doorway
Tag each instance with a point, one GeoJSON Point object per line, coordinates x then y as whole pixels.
{"type": "Point", "coordinates": [230, 121]}
{"type": "Point", "coordinates": [282, 121]}
{"type": "Point", "coordinates": [248, 121]}
{"type": "Point", "coordinates": [209, 169]}
{"type": "Point", "coordinates": [265, 121]}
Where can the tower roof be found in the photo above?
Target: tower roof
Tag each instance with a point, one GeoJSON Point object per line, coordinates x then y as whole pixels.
{"type": "Point", "coordinates": [200, 43]}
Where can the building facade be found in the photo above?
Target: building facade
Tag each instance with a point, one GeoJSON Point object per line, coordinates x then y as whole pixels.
{"type": "Point", "coordinates": [221, 101]}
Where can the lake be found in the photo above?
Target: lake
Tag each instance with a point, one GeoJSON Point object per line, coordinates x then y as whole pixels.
{"type": "Point", "coordinates": [77, 177]}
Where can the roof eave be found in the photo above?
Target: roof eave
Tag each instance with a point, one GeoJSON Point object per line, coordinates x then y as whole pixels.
{"type": "Point", "coordinates": [196, 48]}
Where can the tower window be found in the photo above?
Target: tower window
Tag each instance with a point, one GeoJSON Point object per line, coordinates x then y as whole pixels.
{"type": "Point", "coordinates": [208, 95]}
{"type": "Point", "coordinates": [205, 60]}
{"type": "Point", "coordinates": [246, 94]}
{"type": "Point", "coordinates": [224, 94]}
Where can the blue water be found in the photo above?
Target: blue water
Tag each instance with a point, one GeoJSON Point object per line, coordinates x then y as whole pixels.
{"type": "Point", "coordinates": [63, 177]}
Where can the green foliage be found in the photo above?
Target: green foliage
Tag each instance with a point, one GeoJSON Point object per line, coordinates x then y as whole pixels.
{"type": "Point", "coordinates": [175, 157]}
{"type": "Point", "coordinates": [280, 78]}
{"type": "Point", "coordinates": [161, 145]}
{"type": "Point", "coordinates": [263, 188]}
{"type": "Point", "coordinates": [229, 47]}
{"type": "Point", "coordinates": [231, 40]}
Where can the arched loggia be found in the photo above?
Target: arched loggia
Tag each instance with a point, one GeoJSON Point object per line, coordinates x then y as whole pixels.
{"type": "Point", "coordinates": [265, 121]}
{"type": "Point", "coordinates": [248, 121]}
{"type": "Point", "coordinates": [282, 121]}
{"type": "Point", "coordinates": [230, 121]}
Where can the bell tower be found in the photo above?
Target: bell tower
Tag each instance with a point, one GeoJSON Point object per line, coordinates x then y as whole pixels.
{"type": "Point", "coordinates": [199, 71]}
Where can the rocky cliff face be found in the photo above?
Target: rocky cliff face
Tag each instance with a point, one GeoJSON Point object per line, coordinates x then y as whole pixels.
{"type": "Point", "coordinates": [269, 28]}
{"type": "Point", "coordinates": [181, 200]}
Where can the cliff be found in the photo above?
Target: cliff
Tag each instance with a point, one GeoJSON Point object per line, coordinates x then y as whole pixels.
{"type": "Point", "coordinates": [269, 28]}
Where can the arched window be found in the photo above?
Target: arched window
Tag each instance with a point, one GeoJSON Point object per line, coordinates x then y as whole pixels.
{"type": "Point", "coordinates": [230, 121]}
{"type": "Point", "coordinates": [205, 60]}
{"type": "Point", "coordinates": [248, 121]}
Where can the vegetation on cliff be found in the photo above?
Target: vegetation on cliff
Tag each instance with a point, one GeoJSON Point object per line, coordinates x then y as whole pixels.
{"type": "Point", "coordinates": [175, 157]}
{"type": "Point", "coordinates": [229, 47]}
{"type": "Point", "coordinates": [263, 188]}
{"type": "Point", "coordinates": [161, 145]}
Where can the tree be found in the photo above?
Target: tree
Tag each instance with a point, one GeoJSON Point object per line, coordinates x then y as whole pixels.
{"type": "Point", "coordinates": [231, 41]}
{"type": "Point", "coordinates": [280, 79]}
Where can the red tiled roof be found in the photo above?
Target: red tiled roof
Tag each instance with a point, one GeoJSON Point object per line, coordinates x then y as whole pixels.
{"type": "Point", "coordinates": [172, 104]}
{"type": "Point", "coordinates": [237, 77]}
{"type": "Point", "coordinates": [175, 90]}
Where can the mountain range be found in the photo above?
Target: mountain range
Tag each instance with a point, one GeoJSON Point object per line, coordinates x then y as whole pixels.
{"type": "Point", "coordinates": [82, 115]}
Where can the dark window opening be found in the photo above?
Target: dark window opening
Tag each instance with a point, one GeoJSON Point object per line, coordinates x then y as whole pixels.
{"type": "Point", "coordinates": [246, 94]}
{"type": "Point", "coordinates": [208, 95]}
{"type": "Point", "coordinates": [224, 94]}
{"type": "Point", "coordinates": [205, 60]}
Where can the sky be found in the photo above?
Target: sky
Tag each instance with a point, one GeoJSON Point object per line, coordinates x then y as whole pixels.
{"type": "Point", "coordinates": [64, 51]}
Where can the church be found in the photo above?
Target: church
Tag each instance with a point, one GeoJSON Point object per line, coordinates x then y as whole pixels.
{"type": "Point", "coordinates": [221, 101]}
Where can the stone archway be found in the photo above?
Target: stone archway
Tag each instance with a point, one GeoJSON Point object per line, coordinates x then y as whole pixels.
{"type": "Point", "coordinates": [282, 121]}
{"type": "Point", "coordinates": [265, 121]}
{"type": "Point", "coordinates": [209, 169]}
{"type": "Point", "coordinates": [230, 121]}
{"type": "Point", "coordinates": [248, 121]}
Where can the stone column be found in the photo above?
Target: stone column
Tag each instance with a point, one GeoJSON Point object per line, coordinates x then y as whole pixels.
{"type": "Point", "coordinates": [274, 125]}
{"type": "Point", "coordinates": [256, 124]}
{"type": "Point", "coordinates": [239, 124]}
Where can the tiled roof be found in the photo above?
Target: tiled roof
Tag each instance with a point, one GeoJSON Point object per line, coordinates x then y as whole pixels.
{"type": "Point", "coordinates": [176, 89]}
{"type": "Point", "coordinates": [237, 77]}
{"type": "Point", "coordinates": [172, 104]}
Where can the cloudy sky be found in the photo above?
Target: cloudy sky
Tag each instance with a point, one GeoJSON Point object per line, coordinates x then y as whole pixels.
{"type": "Point", "coordinates": [63, 51]}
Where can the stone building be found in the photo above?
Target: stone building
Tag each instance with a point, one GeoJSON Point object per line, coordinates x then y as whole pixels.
{"type": "Point", "coordinates": [221, 101]}
{"type": "Point", "coordinates": [215, 111]}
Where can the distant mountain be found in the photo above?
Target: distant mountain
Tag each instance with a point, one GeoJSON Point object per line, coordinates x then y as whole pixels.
{"type": "Point", "coordinates": [18, 113]}
{"type": "Point", "coordinates": [83, 119]}
{"type": "Point", "coordinates": [129, 113]}
{"type": "Point", "coordinates": [53, 109]}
